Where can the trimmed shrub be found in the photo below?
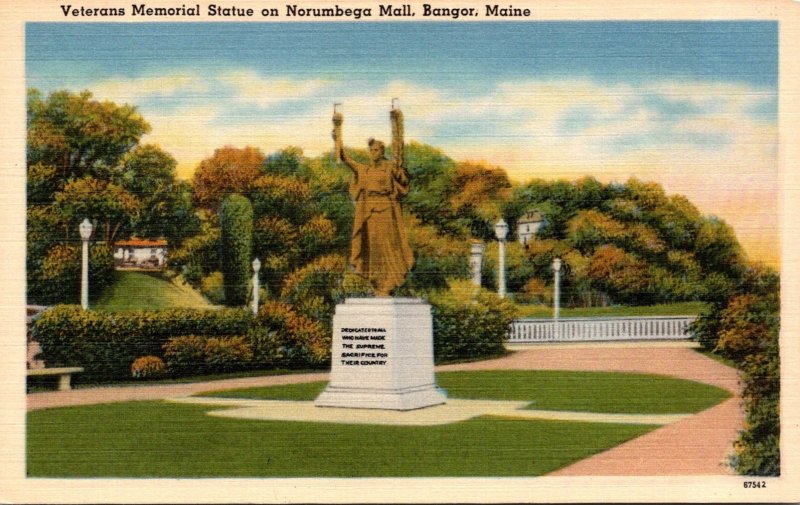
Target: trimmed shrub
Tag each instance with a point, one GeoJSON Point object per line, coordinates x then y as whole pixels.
{"type": "Point", "coordinates": [227, 354]}
{"type": "Point", "coordinates": [105, 344]}
{"type": "Point", "coordinates": [284, 337]}
{"type": "Point", "coordinates": [195, 355]}
{"type": "Point", "coordinates": [148, 367]}
{"type": "Point", "coordinates": [469, 322]}
{"type": "Point", "coordinates": [236, 241]}
{"type": "Point", "coordinates": [185, 355]}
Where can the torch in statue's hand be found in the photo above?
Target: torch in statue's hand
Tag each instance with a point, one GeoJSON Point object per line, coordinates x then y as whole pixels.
{"type": "Point", "coordinates": [338, 119]}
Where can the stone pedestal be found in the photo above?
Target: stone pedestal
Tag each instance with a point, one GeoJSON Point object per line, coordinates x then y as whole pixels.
{"type": "Point", "coordinates": [382, 356]}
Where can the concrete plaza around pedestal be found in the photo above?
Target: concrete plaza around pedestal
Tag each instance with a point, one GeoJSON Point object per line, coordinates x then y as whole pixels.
{"type": "Point", "coordinates": [455, 410]}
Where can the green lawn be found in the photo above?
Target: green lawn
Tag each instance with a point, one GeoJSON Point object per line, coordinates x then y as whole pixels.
{"type": "Point", "coordinates": [605, 392]}
{"type": "Point", "coordinates": [155, 439]}
{"type": "Point", "coordinates": [159, 439]}
{"type": "Point", "coordinates": [134, 290]}
{"type": "Point", "coordinates": [670, 309]}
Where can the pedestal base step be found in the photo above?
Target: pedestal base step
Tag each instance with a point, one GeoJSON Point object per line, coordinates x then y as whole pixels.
{"type": "Point", "coordinates": [388, 399]}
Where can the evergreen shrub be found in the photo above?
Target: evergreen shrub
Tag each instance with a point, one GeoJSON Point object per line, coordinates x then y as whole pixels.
{"type": "Point", "coordinates": [236, 222]}
{"type": "Point", "coordinates": [468, 322]}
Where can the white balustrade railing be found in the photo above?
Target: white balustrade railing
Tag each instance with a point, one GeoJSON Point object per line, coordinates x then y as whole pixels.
{"type": "Point", "coordinates": [596, 329]}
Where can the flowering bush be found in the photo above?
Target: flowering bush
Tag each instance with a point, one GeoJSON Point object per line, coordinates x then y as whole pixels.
{"type": "Point", "coordinates": [185, 355]}
{"type": "Point", "coordinates": [282, 336]}
{"type": "Point", "coordinates": [148, 367]}
{"type": "Point", "coordinates": [227, 354]}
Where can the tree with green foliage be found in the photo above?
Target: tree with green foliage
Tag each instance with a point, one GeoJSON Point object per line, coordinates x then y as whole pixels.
{"type": "Point", "coordinates": [79, 136]}
{"type": "Point", "coordinates": [166, 209]}
{"type": "Point", "coordinates": [75, 148]}
{"type": "Point", "coordinates": [236, 242]}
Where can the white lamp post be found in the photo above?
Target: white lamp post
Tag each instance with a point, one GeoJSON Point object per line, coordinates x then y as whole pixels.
{"type": "Point", "coordinates": [501, 231]}
{"type": "Point", "coordinates": [256, 268]}
{"type": "Point", "coordinates": [85, 229]}
{"type": "Point", "coordinates": [475, 261]}
{"type": "Point", "coordinates": [557, 294]}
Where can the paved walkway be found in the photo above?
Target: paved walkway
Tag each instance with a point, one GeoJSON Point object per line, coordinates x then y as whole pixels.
{"type": "Point", "coordinates": [92, 396]}
{"type": "Point", "coordinates": [698, 445]}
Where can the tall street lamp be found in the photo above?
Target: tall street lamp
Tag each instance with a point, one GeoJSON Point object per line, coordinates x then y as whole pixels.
{"type": "Point", "coordinates": [85, 229]}
{"type": "Point", "coordinates": [256, 268]}
{"type": "Point", "coordinates": [501, 231]}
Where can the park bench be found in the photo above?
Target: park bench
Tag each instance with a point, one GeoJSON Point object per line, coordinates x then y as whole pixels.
{"type": "Point", "coordinates": [64, 373]}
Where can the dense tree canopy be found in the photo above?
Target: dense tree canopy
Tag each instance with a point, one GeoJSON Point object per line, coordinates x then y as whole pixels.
{"type": "Point", "coordinates": [620, 242]}
{"type": "Point", "coordinates": [84, 160]}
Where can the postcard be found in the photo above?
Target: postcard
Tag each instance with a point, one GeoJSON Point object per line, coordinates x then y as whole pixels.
{"type": "Point", "coordinates": [358, 252]}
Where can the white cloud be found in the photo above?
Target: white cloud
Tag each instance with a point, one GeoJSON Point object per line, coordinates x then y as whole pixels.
{"type": "Point", "coordinates": [250, 87]}
{"type": "Point", "coordinates": [180, 84]}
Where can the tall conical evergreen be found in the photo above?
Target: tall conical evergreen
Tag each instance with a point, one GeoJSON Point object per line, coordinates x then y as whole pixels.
{"type": "Point", "coordinates": [236, 222]}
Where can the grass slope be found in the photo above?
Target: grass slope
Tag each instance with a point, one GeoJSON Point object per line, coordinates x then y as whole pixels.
{"type": "Point", "coordinates": [604, 392]}
{"type": "Point", "coordinates": [135, 290]}
{"type": "Point", "coordinates": [153, 439]}
{"type": "Point", "coordinates": [670, 309]}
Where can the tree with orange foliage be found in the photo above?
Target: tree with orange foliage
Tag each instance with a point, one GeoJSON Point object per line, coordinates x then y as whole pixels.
{"type": "Point", "coordinates": [230, 170]}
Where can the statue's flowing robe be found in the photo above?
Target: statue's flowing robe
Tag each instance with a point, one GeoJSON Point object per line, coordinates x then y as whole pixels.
{"type": "Point", "coordinates": [379, 248]}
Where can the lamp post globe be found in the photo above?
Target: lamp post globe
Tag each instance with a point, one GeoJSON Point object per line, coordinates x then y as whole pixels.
{"type": "Point", "coordinates": [85, 230]}
{"type": "Point", "coordinates": [501, 229]}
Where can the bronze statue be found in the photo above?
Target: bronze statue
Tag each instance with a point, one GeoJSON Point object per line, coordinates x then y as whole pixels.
{"type": "Point", "coordinates": [379, 250]}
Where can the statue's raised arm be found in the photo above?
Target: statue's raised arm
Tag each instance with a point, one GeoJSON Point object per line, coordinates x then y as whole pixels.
{"type": "Point", "coordinates": [339, 153]}
{"type": "Point", "coordinates": [398, 148]}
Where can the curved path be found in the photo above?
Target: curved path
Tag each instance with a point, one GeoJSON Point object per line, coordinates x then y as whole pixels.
{"type": "Point", "coordinates": [698, 445]}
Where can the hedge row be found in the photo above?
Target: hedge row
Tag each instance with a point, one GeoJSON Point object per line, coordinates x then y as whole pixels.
{"type": "Point", "coordinates": [106, 344]}
{"type": "Point", "coordinates": [467, 324]}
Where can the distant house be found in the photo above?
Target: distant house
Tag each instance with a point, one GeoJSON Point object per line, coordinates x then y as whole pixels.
{"type": "Point", "coordinates": [140, 253]}
{"type": "Point", "coordinates": [528, 225]}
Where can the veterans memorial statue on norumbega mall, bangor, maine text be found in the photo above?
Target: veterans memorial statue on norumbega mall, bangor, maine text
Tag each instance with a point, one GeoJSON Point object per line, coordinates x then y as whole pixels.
{"type": "Point", "coordinates": [382, 348]}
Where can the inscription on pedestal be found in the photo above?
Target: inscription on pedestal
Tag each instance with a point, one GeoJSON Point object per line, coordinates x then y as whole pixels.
{"type": "Point", "coordinates": [363, 347]}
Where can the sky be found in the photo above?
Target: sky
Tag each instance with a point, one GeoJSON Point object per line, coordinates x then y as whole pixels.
{"type": "Point", "coordinates": [690, 105]}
